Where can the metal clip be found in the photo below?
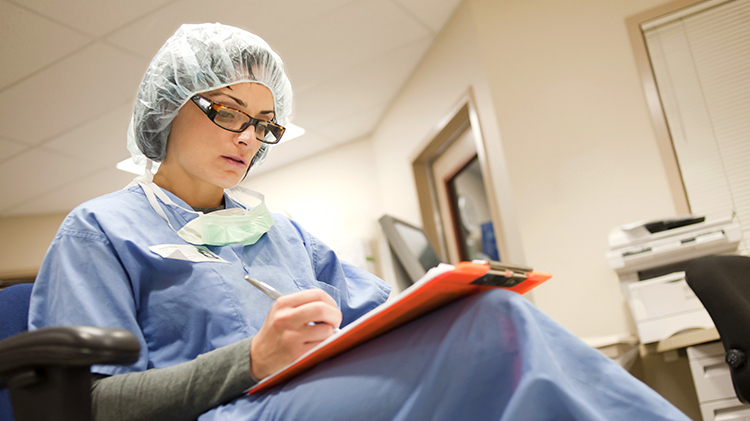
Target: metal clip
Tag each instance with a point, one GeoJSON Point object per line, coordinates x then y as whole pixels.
{"type": "Point", "coordinates": [501, 274]}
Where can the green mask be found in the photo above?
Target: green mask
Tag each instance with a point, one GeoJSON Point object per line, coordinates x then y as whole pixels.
{"type": "Point", "coordinates": [228, 226]}
{"type": "Point", "coordinates": [219, 228]}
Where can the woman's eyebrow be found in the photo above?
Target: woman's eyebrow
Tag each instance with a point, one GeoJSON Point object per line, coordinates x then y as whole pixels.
{"type": "Point", "coordinates": [238, 100]}
{"type": "Point", "coordinates": [235, 99]}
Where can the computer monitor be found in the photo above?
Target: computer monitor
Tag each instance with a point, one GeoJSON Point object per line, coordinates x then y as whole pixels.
{"type": "Point", "coordinates": [410, 246]}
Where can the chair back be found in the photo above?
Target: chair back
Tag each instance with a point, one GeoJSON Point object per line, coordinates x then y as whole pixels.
{"type": "Point", "coordinates": [14, 314]}
{"type": "Point", "coordinates": [722, 283]}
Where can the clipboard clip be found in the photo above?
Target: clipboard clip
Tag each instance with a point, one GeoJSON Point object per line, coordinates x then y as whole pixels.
{"type": "Point", "coordinates": [501, 275]}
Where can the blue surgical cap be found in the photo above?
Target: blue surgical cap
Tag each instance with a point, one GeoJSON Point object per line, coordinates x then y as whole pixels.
{"type": "Point", "coordinates": [196, 59]}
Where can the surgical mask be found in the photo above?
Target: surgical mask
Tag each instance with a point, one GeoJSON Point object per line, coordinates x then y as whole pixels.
{"type": "Point", "coordinates": [219, 228]}
{"type": "Point", "coordinates": [228, 226]}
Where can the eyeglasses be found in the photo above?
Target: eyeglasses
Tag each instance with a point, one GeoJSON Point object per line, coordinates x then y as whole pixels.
{"type": "Point", "coordinates": [237, 121]}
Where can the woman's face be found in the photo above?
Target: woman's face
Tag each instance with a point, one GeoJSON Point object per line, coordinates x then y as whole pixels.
{"type": "Point", "coordinates": [201, 154]}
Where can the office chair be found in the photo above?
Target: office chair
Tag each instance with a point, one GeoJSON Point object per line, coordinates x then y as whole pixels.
{"type": "Point", "coordinates": [722, 283]}
{"type": "Point", "coordinates": [47, 371]}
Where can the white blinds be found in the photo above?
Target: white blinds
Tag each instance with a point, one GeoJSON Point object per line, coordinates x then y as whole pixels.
{"type": "Point", "coordinates": [701, 63]}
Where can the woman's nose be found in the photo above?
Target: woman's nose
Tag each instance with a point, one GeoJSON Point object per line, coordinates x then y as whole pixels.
{"type": "Point", "coordinates": [247, 136]}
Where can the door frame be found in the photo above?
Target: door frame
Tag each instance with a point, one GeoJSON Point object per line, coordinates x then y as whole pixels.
{"type": "Point", "coordinates": [461, 117]}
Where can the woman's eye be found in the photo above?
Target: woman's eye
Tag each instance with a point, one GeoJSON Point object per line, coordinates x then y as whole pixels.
{"type": "Point", "coordinates": [225, 115]}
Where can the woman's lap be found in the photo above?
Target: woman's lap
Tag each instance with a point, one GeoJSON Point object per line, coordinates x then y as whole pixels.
{"type": "Point", "coordinates": [490, 356]}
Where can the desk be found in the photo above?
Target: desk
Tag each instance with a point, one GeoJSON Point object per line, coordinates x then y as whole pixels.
{"type": "Point", "coordinates": [680, 340]}
{"type": "Point", "coordinates": [711, 376]}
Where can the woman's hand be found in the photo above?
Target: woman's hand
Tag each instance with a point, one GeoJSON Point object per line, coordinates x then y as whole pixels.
{"type": "Point", "coordinates": [296, 323]}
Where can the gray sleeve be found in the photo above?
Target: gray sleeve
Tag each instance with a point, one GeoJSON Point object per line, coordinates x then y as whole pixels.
{"type": "Point", "coordinates": [180, 392]}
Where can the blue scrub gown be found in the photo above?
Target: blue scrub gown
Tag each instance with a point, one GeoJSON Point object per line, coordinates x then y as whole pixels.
{"type": "Point", "coordinates": [491, 356]}
{"type": "Point", "coordinates": [107, 267]}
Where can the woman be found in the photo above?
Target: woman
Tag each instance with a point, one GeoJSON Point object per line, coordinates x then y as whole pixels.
{"type": "Point", "coordinates": [116, 262]}
{"type": "Point", "coordinates": [166, 259]}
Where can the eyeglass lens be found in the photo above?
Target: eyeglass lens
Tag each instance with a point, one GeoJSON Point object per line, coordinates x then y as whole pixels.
{"type": "Point", "coordinates": [235, 121]}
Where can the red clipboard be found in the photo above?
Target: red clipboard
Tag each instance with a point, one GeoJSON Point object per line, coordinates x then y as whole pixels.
{"type": "Point", "coordinates": [429, 293]}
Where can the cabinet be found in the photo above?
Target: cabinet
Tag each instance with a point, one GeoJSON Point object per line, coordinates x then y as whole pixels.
{"type": "Point", "coordinates": [713, 384]}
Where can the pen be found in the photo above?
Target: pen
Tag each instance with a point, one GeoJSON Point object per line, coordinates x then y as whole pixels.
{"type": "Point", "coordinates": [271, 292]}
{"type": "Point", "coordinates": [267, 289]}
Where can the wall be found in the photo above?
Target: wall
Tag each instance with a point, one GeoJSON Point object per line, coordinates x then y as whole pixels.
{"type": "Point", "coordinates": [557, 91]}
{"type": "Point", "coordinates": [25, 240]}
{"type": "Point", "coordinates": [568, 99]}
{"type": "Point", "coordinates": [565, 106]}
{"type": "Point", "coordinates": [333, 195]}
{"type": "Point", "coordinates": [569, 142]}
{"type": "Point", "coordinates": [450, 68]}
{"type": "Point", "coordinates": [335, 189]}
{"type": "Point", "coordinates": [567, 135]}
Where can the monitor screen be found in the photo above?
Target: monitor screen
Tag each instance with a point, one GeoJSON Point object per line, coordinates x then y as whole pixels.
{"type": "Point", "coordinates": [418, 244]}
{"type": "Point", "coordinates": [411, 247]}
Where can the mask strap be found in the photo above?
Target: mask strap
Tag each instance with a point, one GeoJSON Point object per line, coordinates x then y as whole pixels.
{"type": "Point", "coordinates": [153, 191]}
{"type": "Point", "coordinates": [236, 190]}
{"type": "Point", "coordinates": [148, 175]}
{"type": "Point", "coordinates": [154, 203]}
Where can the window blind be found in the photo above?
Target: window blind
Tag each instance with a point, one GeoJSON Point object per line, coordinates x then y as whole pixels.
{"type": "Point", "coordinates": [701, 63]}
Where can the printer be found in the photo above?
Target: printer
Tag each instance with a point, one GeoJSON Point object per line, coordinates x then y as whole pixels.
{"type": "Point", "coordinates": [650, 258]}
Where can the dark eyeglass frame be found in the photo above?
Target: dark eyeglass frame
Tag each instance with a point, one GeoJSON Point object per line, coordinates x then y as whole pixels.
{"type": "Point", "coordinates": [211, 109]}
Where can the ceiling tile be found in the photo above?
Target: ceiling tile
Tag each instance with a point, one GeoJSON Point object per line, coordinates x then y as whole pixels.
{"type": "Point", "coordinates": [101, 141]}
{"type": "Point", "coordinates": [35, 173]}
{"type": "Point", "coordinates": [145, 36]}
{"type": "Point", "coordinates": [83, 86]}
{"type": "Point", "coordinates": [355, 126]}
{"type": "Point", "coordinates": [297, 12]}
{"type": "Point", "coordinates": [66, 98]}
{"type": "Point", "coordinates": [343, 38]}
{"type": "Point", "coordinates": [94, 17]}
{"type": "Point", "coordinates": [373, 82]}
{"type": "Point", "coordinates": [70, 195]}
{"type": "Point", "coordinates": [8, 149]}
{"type": "Point", "coordinates": [29, 42]}
{"type": "Point", "coordinates": [432, 13]}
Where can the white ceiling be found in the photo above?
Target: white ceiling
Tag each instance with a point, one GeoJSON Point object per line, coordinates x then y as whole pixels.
{"type": "Point", "coordinates": [69, 71]}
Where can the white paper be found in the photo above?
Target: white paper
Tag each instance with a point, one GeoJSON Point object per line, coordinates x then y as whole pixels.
{"type": "Point", "coordinates": [432, 273]}
{"type": "Point", "coordinates": [186, 252]}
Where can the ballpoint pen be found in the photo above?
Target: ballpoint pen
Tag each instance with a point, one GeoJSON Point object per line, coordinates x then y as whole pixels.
{"type": "Point", "coordinates": [272, 292]}
{"type": "Point", "coordinates": [267, 289]}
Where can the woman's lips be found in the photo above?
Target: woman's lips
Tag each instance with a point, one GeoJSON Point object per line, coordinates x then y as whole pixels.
{"type": "Point", "coordinates": [234, 160]}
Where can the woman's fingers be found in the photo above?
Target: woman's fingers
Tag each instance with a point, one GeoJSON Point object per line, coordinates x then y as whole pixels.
{"type": "Point", "coordinates": [318, 332]}
{"type": "Point", "coordinates": [296, 323]}
{"type": "Point", "coordinates": [305, 296]}
{"type": "Point", "coordinates": [301, 308]}
{"type": "Point", "coordinates": [304, 314]}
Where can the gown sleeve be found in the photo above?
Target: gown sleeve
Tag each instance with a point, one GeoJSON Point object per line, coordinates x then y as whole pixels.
{"type": "Point", "coordinates": [357, 290]}
{"type": "Point", "coordinates": [85, 281]}
{"type": "Point", "coordinates": [82, 282]}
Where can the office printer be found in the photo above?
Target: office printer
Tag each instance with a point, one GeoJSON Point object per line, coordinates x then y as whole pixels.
{"type": "Point", "coordinates": [650, 257]}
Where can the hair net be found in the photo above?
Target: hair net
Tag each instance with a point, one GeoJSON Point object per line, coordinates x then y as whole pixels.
{"type": "Point", "coordinates": [200, 58]}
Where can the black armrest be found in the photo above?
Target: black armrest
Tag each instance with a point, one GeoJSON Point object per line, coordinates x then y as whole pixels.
{"type": "Point", "coordinates": [722, 283]}
{"type": "Point", "coordinates": [69, 346]}
{"type": "Point", "coordinates": [47, 370]}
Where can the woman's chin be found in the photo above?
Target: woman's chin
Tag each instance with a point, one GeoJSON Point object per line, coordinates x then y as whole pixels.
{"type": "Point", "coordinates": [228, 182]}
